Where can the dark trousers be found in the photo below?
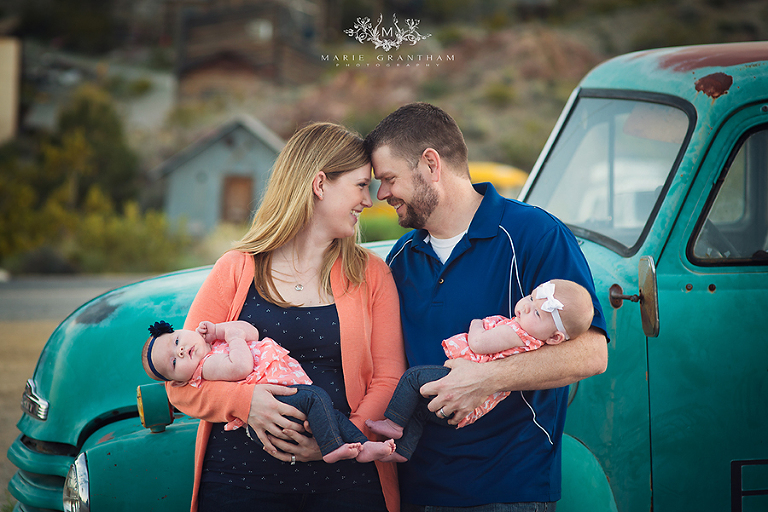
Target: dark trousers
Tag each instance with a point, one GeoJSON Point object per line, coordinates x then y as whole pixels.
{"type": "Point", "coordinates": [330, 428]}
{"type": "Point", "coordinates": [409, 409]}
{"type": "Point", "coordinates": [491, 507]}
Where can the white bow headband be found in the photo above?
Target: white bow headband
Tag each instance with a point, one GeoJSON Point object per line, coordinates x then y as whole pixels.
{"type": "Point", "coordinates": [551, 305]}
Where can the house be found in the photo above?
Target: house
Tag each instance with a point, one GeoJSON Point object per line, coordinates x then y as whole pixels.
{"type": "Point", "coordinates": [220, 177]}
{"type": "Point", "coordinates": [227, 50]}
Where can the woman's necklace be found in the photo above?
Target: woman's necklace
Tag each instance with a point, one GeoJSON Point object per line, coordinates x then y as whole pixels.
{"type": "Point", "coordinates": [292, 266]}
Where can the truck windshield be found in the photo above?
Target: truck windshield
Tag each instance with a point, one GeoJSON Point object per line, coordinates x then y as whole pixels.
{"type": "Point", "coordinates": [608, 166]}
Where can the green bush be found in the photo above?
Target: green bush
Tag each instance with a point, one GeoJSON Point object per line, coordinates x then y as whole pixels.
{"type": "Point", "coordinates": [449, 35]}
{"type": "Point", "coordinates": [435, 88]}
{"type": "Point", "coordinates": [380, 228]}
{"type": "Point", "coordinates": [17, 226]}
{"type": "Point", "coordinates": [139, 87]}
{"type": "Point", "coordinates": [92, 240]}
{"type": "Point", "coordinates": [500, 94]}
{"type": "Point", "coordinates": [132, 242]}
{"type": "Point", "coordinates": [120, 87]}
{"type": "Point", "coordinates": [114, 164]}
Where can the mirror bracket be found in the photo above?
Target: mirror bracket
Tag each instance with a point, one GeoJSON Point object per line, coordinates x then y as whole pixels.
{"type": "Point", "coordinates": [617, 296]}
{"type": "Point", "coordinates": [648, 296]}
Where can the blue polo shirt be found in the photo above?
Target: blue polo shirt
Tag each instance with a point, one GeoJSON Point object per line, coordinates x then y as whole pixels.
{"type": "Point", "coordinates": [513, 454]}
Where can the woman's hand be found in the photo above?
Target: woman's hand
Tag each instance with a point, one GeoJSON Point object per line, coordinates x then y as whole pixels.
{"type": "Point", "coordinates": [302, 447]}
{"type": "Point", "coordinates": [269, 417]}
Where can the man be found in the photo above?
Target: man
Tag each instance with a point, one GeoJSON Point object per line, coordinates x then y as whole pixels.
{"type": "Point", "coordinates": [474, 254]}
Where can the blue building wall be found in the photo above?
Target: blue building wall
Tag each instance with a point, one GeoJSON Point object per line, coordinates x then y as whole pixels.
{"type": "Point", "coordinates": [195, 187]}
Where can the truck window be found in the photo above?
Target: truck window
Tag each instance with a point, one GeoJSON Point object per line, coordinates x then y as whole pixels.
{"type": "Point", "coordinates": [608, 167]}
{"type": "Point", "coordinates": [734, 225]}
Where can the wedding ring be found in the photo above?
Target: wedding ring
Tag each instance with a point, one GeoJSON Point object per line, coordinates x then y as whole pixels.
{"type": "Point", "coordinates": [442, 413]}
{"type": "Point", "coordinates": [293, 460]}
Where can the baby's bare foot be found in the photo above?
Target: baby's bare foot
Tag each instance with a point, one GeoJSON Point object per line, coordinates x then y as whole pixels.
{"type": "Point", "coordinates": [386, 428]}
{"type": "Point", "coordinates": [374, 450]}
{"type": "Point", "coordinates": [345, 451]}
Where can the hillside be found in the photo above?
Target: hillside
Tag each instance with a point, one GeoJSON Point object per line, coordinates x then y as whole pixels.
{"type": "Point", "coordinates": [505, 90]}
{"type": "Point", "coordinates": [504, 87]}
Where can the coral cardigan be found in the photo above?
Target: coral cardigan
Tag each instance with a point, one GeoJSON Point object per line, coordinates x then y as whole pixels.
{"type": "Point", "coordinates": [373, 358]}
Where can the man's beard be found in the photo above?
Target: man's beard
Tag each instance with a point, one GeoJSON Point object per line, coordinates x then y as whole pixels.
{"type": "Point", "coordinates": [423, 204]}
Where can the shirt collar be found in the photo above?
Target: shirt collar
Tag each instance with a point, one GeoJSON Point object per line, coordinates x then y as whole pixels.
{"type": "Point", "coordinates": [485, 223]}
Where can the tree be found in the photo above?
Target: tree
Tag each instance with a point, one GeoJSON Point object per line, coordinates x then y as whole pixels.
{"type": "Point", "coordinates": [115, 166]}
{"type": "Point", "coordinates": [70, 163]}
{"type": "Point", "coordinates": [17, 211]}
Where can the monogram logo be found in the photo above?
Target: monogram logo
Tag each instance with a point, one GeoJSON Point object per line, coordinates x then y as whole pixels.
{"type": "Point", "coordinates": [386, 38]}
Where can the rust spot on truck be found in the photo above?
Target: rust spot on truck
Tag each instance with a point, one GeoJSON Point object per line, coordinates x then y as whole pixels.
{"type": "Point", "coordinates": [107, 437]}
{"type": "Point", "coordinates": [714, 85]}
{"type": "Point", "coordinates": [695, 57]}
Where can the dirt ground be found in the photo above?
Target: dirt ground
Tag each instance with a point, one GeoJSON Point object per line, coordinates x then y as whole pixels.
{"type": "Point", "coordinates": [20, 346]}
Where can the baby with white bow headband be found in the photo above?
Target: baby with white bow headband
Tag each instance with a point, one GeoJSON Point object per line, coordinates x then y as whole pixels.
{"type": "Point", "coordinates": [555, 311]}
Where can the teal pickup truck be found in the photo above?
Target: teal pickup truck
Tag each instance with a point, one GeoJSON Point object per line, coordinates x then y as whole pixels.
{"type": "Point", "coordinates": [659, 164]}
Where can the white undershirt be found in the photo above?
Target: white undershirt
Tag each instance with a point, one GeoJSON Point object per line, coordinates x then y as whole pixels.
{"type": "Point", "coordinates": [443, 247]}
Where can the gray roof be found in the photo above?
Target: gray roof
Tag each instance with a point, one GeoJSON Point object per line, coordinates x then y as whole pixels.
{"type": "Point", "coordinates": [250, 124]}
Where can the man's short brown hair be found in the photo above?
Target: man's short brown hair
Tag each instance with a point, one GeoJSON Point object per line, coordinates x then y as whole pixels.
{"type": "Point", "coordinates": [412, 128]}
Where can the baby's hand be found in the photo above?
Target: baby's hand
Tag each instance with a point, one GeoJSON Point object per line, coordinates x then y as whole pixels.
{"type": "Point", "coordinates": [477, 324]}
{"type": "Point", "coordinates": [207, 330]}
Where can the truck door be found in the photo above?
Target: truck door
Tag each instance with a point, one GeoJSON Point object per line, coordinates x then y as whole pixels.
{"type": "Point", "coordinates": [607, 176]}
{"type": "Point", "coordinates": [708, 368]}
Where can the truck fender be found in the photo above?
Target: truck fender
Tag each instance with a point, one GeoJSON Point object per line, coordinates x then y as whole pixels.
{"type": "Point", "coordinates": [585, 487]}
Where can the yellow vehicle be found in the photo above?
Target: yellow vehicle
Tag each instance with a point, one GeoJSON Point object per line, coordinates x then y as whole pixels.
{"type": "Point", "coordinates": [380, 221]}
{"type": "Point", "coordinates": [507, 179]}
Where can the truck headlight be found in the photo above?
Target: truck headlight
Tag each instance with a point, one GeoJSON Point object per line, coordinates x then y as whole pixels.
{"type": "Point", "coordinates": [76, 491]}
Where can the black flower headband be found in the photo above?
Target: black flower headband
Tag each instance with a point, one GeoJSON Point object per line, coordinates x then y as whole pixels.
{"type": "Point", "coordinates": [157, 329]}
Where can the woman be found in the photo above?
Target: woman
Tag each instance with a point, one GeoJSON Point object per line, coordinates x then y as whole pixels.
{"type": "Point", "coordinates": [300, 277]}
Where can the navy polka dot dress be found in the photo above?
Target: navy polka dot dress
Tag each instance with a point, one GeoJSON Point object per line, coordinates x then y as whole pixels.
{"type": "Point", "coordinates": [312, 336]}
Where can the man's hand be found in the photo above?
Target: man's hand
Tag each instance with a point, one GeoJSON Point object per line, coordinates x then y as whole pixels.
{"type": "Point", "coordinates": [460, 392]}
{"type": "Point", "coordinates": [551, 366]}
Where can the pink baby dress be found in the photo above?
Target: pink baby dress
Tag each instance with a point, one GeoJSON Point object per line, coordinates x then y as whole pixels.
{"type": "Point", "coordinates": [271, 365]}
{"type": "Point", "coordinates": [458, 347]}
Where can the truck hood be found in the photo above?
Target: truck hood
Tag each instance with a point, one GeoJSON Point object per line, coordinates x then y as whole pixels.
{"type": "Point", "coordinates": [90, 367]}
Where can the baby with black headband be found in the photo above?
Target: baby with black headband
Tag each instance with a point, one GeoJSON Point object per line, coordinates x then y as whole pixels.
{"type": "Point", "coordinates": [232, 351]}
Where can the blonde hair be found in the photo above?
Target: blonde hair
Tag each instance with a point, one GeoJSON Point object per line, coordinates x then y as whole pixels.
{"type": "Point", "coordinates": [578, 309]}
{"type": "Point", "coordinates": [288, 204]}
